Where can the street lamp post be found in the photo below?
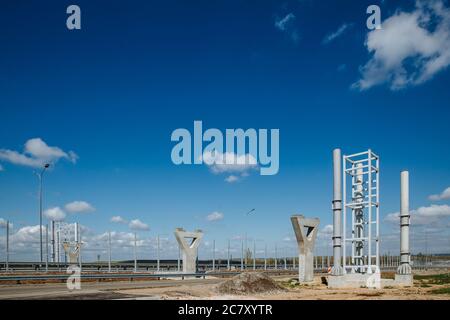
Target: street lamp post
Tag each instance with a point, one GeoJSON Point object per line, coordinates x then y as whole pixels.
{"type": "Point", "coordinates": [40, 175]}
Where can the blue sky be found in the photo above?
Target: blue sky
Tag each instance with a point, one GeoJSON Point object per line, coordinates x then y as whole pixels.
{"type": "Point", "coordinates": [114, 91]}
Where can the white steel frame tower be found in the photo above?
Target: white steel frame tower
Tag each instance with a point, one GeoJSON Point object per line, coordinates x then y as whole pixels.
{"type": "Point", "coordinates": [362, 169]}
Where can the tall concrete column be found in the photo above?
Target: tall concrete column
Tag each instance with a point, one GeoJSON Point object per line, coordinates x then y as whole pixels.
{"type": "Point", "coordinates": [306, 232]}
{"type": "Point", "coordinates": [405, 267]}
{"type": "Point", "coordinates": [188, 248]}
{"type": "Point", "coordinates": [337, 269]}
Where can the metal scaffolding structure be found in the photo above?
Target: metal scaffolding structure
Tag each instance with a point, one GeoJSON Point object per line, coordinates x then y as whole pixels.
{"type": "Point", "coordinates": [65, 237]}
{"type": "Point", "coordinates": [362, 200]}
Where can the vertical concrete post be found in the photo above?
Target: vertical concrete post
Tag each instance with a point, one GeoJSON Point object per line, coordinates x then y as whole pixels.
{"type": "Point", "coordinates": [404, 267]}
{"type": "Point", "coordinates": [306, 232]}
{"type": "Point", "coordinates": [337, 269]}
{"type": "Point", "coordinates": [189, 248]}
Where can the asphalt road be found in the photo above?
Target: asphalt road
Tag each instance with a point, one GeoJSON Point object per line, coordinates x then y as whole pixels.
{"type": "Point", "coordinates": [89, 290]}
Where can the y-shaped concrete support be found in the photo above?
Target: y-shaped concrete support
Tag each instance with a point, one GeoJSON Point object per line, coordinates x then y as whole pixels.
{"type": "Point", "coordinates": [72, 250]}
{"type": "Point", "coordinates": [306, 232]}
{"type": "Point", "coordinates": [189, 248]}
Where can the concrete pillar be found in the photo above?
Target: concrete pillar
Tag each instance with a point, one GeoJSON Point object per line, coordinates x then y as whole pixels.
{"type": "Point", "coordinates": [189, 249]}
{"type": "Point", "coordinates": [404, 267]}
{"type": "Point", "coordinates": [337, 269]}
{"type": "Point", "coordinates": [306, 232]}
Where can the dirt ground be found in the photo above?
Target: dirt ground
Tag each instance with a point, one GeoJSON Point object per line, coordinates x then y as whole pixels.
{"type": "Point", "coordinates": [428, 285]}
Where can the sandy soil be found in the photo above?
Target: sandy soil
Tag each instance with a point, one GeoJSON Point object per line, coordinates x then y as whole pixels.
{"type": "Point", "coordinates": [314, 291]}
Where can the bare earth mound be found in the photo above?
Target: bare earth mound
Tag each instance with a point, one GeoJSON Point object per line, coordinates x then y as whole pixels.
{"type": "Point", "coordinates": [249, 283]}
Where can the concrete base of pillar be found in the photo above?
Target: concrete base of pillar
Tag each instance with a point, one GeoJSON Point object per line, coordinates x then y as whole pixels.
{"type": "Point", "coordinates": [355, 280]}
{"type": "Point", "coordinates": [405, 280]}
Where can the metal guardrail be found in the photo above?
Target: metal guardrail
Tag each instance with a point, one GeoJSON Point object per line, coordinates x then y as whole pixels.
{"type": "Point", "coordinates": [109, 276]}
{"type": "Point", "coordinates": [130, 276]}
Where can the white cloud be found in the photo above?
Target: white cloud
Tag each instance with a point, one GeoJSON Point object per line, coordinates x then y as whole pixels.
{"type": "Point", "coordinates": [118, 219]}
{"type": "Point", "coordinates": [286, 24]}
{"type": "Point", "coordinates": [410, 48]}
{"type": "Point", "coordinates": [36, 153]}
{"type": "Point", "coordinates": [79, 207]}
{"type": "Point", "coordinates": [339, 32]}
{"type": "Point", "coordinates": [444, 195]}
{"type": "Point", "coordinates": [138, 225]}
{"type": "Point", "coordinates": [3, 223]}
{"type": "Point", "coordinates": [423, 215]}
{"type": "Point", "coordinates": [27, 235]}
{"type": "Point", "coordinates": [232, 178]}
{"type": "Point", "coordinates": [229, 162]}
{"type": "Point", "coordinates": [283, 23]}
{"type": "Point", "coordinates": [215, 216]}
{"type": "Point", "coordinates": [55, 214]}
{"type": "Point", "coordinates": [326, 232]}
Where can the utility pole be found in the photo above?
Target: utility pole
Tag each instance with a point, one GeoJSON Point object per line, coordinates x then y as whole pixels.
{"type": "Point", "coordinates": [109, 251]}
{"type": "Point", "coordinates": [276, 257]}
{"type": "Point", "coordinates": [246, 249]}
{"type": "Point", "coordinates": [265, 256]}
{"type": "Point", "coordinates": [7, 245]}
{"type": "Point", "coordinates": [214, 256]}
{"type": "Point", "coordinates": [40, 176]}
{"type": "Point", "coordinates": [254, 255]}
{"type": "Point", "coordinates": [157, 253]}
{"type": "Point", "coordinates": [228, 255]}
{"type": "Point", "coordinates": [242, 255]}
{"type": "Point", "coordinates": [135, 258]}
